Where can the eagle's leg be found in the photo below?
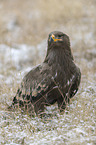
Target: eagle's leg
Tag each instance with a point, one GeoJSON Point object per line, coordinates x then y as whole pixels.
{"type": "Point", "coordinates": [62, 102]}
{"type": "Point", "coordinates": [64, 99]}
{"type": "Point", "coordinates": [38, 105]}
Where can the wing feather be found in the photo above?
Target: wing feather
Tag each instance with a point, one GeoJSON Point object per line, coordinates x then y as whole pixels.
{"type": "Point", "coordinates": [34, 89]}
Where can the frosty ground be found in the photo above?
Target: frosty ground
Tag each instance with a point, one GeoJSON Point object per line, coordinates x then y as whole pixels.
{"type": "Point", "coordinates": [23, 43]}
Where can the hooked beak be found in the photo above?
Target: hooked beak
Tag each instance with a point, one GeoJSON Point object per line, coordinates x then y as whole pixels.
{"type": "Point", "coordinates": [52, 38]}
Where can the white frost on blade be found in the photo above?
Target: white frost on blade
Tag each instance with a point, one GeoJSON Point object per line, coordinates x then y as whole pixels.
{"type": "Point", "coordinates": [74, 91]}
{"type": "Point", "coordinates": [68, 82]}
{"type": "Point", "coordinates": [55, 87]}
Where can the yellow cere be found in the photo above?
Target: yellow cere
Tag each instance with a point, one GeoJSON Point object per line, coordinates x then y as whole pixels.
{"type": "Point", "coordinates": [55, 39]}
{"type": "Point", "coordinates": [53, 36]}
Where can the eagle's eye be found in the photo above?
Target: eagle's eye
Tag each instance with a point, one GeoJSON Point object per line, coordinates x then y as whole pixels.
{"type": "Point", "coordinates": [59, 36]}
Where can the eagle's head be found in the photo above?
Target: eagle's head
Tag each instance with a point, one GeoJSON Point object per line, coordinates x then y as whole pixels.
{"type": "Point", "coordinates": [58, 39]}
{"type": "Point", "coordinates": [58, 49]}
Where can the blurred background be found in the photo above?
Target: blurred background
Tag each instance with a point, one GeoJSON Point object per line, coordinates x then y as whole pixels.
{"type": "Point", "coordinates": [24, 29]}
{"type": "Point", "coordinates": [31, 21]}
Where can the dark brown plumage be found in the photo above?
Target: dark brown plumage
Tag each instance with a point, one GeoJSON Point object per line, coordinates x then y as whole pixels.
{"type": "Point", "coordinates": [56, 80]}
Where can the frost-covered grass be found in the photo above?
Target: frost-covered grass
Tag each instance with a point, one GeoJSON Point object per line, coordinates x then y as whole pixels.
{"type": "Point", "coordinates": [77, 125]}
